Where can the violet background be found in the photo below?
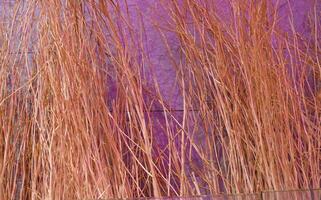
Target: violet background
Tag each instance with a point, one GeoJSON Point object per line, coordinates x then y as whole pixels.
{"type": "Point", "coordinates": [149, 10]}
{"type": "Point", "coordinates": [146, 11]}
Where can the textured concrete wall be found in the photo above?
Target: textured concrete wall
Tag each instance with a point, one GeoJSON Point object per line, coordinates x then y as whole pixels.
{"type": "Point", "coordinates": [146, 11]}
{"type": "Point", "coordinates": [151, 9]}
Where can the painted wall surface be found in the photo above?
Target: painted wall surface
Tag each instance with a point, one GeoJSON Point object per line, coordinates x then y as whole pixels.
{"type": "Point", "coordinates": [145, 13]}
{"type": "Point", "coordinates": [149, 10]}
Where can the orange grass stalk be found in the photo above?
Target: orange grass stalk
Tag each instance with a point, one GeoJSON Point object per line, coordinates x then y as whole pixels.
{"type": "Point", "coordinates": [259, 128]}
{"type": "Point", "coordinates": [59, 138]}
{"type": "Point", "coordinates": [250, 120]}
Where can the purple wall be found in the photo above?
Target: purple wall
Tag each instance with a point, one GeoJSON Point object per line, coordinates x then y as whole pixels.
{"type": "Point", "coordinates": [149, 10]}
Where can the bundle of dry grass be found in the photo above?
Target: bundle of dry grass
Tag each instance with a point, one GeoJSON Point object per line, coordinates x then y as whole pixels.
{"type": "Point", "coordinates": [258, 92]}
{"type": "Point", "coordinates": [59, 138]}
{"type": "Point", "coordinates": [75, 118]}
